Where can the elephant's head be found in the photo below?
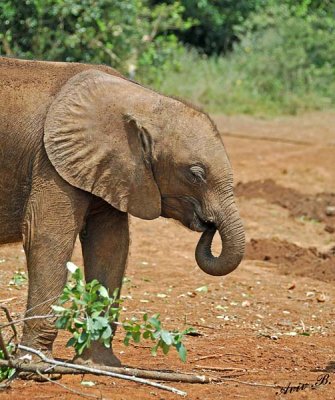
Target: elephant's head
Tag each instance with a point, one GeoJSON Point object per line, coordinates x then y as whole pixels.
{"type": "Point", "coordinates": [148, 155]}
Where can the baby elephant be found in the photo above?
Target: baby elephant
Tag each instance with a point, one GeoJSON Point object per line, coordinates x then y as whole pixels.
{"type": "Point", "coordinates": [81, 148]}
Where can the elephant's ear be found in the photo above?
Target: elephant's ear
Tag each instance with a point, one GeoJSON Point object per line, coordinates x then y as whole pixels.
{"type": "Point", "coordinates": [95, 145]}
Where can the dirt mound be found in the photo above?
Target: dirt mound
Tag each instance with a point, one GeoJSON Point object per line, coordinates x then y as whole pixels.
{"type": "Point", "coordinates": [292, 259]}
{"type": "Point", "coordinates": [317, 207]}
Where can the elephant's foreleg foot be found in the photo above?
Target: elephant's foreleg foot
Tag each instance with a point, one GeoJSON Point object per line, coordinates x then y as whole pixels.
{"type": "Point", "coordinates": [98, 354]}
{"type": "Point", "coordinates": [30, 358]}
{"type": "Point", "coordinates": [39, 336]}
{"type": "Point", "coordinates": [54, 216]}
{"type": "Point", "coordinates": [40, 340]}
{"type": "Point", "coordinates": [105, 247]}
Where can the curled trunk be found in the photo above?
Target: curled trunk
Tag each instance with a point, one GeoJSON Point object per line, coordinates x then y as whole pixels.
{"type": "Point", "coordinates": [233, 245]}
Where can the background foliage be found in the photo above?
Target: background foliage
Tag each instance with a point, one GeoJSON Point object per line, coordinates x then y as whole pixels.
{"type": "Point", "coordinates": [237, 56]}
{"type": "Point", "coordinates": [126, 35]}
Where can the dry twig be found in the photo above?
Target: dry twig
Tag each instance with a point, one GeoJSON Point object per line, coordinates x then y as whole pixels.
{"type": "Point", "coordinates": [7, 300]}
{"type": "Point", "coordinates": [209, 356]}
{"type": "Point", "coordinates": [18, 321]}
{"type": "Point", "coordinates": [228, 369]}
{"type": "Point", "coordinates": [11, 324]}
{"type": "Point", "coordinates": [67, 388]}
{"type": "Point", "coordinates": [204, 326]}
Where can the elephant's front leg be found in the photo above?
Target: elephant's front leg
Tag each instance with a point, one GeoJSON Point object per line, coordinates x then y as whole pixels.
{"type": "Point", "coordinates": [54, 217]}
{"type": "Point", "coordinates": [105, 244]}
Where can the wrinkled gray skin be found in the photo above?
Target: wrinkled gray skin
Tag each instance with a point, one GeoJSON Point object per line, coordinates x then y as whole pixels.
{"type": "Point", "coordinates": [81, 148]}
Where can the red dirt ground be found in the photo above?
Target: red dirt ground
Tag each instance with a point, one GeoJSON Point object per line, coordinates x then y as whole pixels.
{"type": "Point", "coordinates": [273, 317]}
{"type": "Point", "coordinates": [318, 207]}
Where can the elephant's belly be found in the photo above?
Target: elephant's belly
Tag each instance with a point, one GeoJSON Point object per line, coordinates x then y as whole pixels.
{"type": "Point", "coordinates": [15, 184]}
{"type": "Point", "coordinates": [12, 201]}
{"type": "Point", "coordinates": [10, 225]}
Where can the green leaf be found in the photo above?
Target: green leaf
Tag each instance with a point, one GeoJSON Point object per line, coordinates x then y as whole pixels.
{"type": "Point", "coordinates": [146, 334]}
{"type": "Point", "coordinates": [166, 337]}
{"type": "Point", "coordinates": [58, 309]}
{"type": "Point", "coordinates": [165, 347]}
{"type": "Point", "coordinates": [136, 337]}
{"type": "Point", "coordinates": [71, 342]}
{"type": "Point", "coordinates": [181, 351]}
{"type": "Point", "coordinates": [78, 323]}
{"type": "Point", "coordinates": [107, 333]}
{"type": "Point", "coordinates": [80, 348]}
{"type": "Point", "coordinates": [103, 292]}
{"type": "Point", "coordinates": [100, 322]}
{"type": "Point", "coordinates": [62, 322]}
{"type": "Point", "coordinates": [89, 324]}
{"type": "Point", "coordinates": [107, 343]}
{"type": "Point", "coordinates": [127, 339]}
{"type": "Point", "coordinates": [11, 372]}
{"type": "Point", "coordinates": [83, 337]}
{"type": "Point", "coordinates": [154, 350]}
{"type": "Point", "coordinates": [155, 322]}
{"type": "Point", "coordinates": [116, 293]}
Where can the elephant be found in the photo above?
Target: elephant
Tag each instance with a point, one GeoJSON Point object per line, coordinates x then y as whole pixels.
{"type": "Point", "coordinates": [82, 149]}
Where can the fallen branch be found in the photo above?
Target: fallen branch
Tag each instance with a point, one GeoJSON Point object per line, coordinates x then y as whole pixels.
{"type": "Point", "coordinates": [146, 374]}
{"type": "Point", "coordinates": [134, 372]}
{"type": "Point", "coordinates": [96, 371]}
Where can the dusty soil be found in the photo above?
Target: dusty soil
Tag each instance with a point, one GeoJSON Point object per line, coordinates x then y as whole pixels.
{"type": "Point", "coordinates": [318, 207]}
{"type": "Point", "coordinates": [292, 259]}
{"type": "Point", "coordinates": [272, 320]}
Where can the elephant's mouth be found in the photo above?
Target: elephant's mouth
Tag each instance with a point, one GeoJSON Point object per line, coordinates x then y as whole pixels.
{"type": "Point", "coordinates": [199, 224]}
{"type": "Point", "coordinates": [188, 211]}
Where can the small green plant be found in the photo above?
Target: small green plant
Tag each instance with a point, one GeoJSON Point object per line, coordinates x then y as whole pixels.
{"type": "Point", "coordinates": [18, 279]}
{"type": "Point", "coordinates": [87, 311]}
{"type": "Point", "coordinates": [151, 328]}
{"type": "Point", "coordinates": [6, 372]}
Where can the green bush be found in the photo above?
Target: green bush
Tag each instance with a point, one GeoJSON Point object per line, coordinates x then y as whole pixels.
{"type": "Point", "coordinates": [284, 63]}
{"type": "Point", "coordinates": [272, 56]}
{"type": "Point", "coordinates": [214, 32]}
{"type": "Point", "coordinates": [127, 35]}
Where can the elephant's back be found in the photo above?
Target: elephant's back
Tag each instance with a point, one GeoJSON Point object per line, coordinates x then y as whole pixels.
{"type": "Point", "coordinates": [28, 87]}
{"type": "Point", "coordinates": [48, 75]}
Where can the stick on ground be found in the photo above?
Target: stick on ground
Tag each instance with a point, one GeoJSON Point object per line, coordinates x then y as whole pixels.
{"type": "Point", "coordinates": [67, 388]}
{"type": "Point", "coordinates": [96, 371]}
{"type": "Point", "coordinates": [140, 373]}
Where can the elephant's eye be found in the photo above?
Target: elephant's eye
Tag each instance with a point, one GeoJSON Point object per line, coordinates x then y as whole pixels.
{"type": "Point", "coordinates": [198, 174]}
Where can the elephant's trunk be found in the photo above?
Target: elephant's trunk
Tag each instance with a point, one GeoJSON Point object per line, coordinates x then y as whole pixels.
{"type": "Point", "coordinates": [233, 245]}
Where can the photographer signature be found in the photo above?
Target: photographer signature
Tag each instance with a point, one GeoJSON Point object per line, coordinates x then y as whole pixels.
{"type": "Point", "coordinates": [320, 381]}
